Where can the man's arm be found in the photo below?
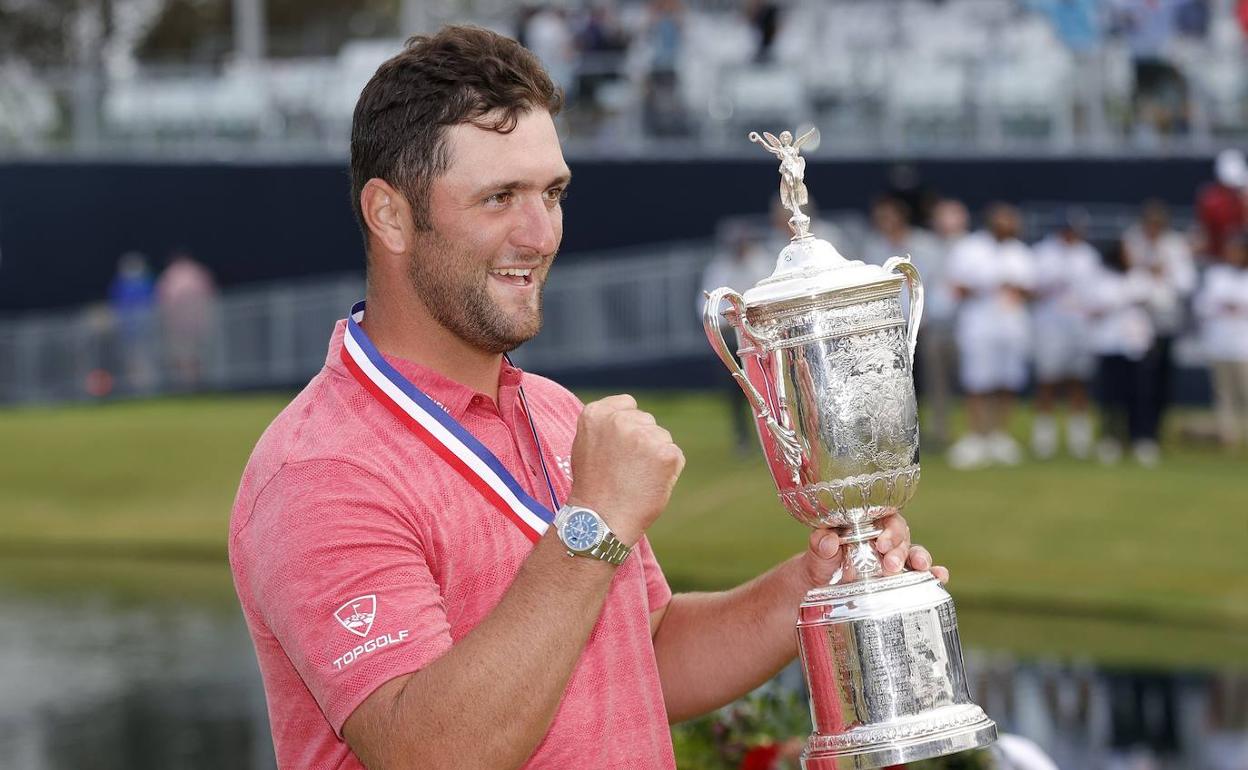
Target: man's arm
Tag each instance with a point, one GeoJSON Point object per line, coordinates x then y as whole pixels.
{"type": "Point", "coordinates": [712, 648]}
{"type": "Point", "coordinates": [490, 699]}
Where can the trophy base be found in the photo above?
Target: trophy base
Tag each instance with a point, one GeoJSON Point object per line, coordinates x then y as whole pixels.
{"type": "Point", "coordinates": [884, 665]}
{"type": "Point", "coordinates": [975, 736]}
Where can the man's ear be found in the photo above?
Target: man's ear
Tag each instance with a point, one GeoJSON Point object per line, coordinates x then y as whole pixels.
{"type": "Point", "coordinates": [387, 215]}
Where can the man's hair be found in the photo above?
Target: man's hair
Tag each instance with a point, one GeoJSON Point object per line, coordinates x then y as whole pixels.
{"type": "Point", "coordinates": [462, 74]}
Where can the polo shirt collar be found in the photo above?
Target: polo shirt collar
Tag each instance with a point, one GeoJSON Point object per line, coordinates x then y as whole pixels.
{"type": "Point", "coordinates": [452, 396]}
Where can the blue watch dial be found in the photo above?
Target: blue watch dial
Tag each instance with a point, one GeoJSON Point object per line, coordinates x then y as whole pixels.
{"type": "Point", "coordinates": [581, 531]}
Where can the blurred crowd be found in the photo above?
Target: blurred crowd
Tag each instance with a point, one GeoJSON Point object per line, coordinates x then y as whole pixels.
{"type": "Point", "coordinates": [1176, 65]}
{"type": "Point", "coordinates": [1071, 322]}
{"type": "Point", "coordinates": [156, 331]}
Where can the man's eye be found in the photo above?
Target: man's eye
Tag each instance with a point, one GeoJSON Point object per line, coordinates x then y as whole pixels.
{"type": "Point", "coordinates": [556, 194]}
{"type": "Point", "coordinates": [499, 198]}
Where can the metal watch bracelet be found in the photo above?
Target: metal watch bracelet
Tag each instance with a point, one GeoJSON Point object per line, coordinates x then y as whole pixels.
{"type": "Point", "coordinates": [611, 550]}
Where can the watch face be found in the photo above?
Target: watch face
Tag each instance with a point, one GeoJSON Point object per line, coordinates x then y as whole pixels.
{"type": "Point", "coordinates": [581, 532]}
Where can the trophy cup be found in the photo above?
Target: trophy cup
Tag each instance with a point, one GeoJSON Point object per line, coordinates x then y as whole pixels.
{"type": "Point", "coordinates": [826, 358]}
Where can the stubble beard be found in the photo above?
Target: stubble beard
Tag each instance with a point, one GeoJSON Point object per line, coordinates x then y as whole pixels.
{"type": "Point", "coordinates": [461, 302]}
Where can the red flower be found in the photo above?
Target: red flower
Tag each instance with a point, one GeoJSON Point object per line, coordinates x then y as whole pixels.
{"type": "Point", "coordinates": [761, 757]}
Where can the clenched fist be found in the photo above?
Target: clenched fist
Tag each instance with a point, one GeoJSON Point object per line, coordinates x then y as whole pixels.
{"type": "Point", "coordinates": [623, 465]}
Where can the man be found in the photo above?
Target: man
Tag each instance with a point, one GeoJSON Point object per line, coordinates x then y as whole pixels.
{"type": "Point", "coordinates": [131, 296]}
{"type": "Point", "coordinates": [740, 261]}
{"type": "Point", "coordinates": [1065, 364]}
{"type": "Point", "coordinates": [410, 605]}
{"type": "Point", "coordinates": [186, 297]}
{"type": "Point", "coordinates": [938, 351]}
{"type": "Point", "coordinates": [1156, 249]}
{"type": "Point", "coordinates": [1222, 207]}
{"type": "Point", "coordinates": [991, 272]}
{"type": "Point", "coordinates": [891, 233]}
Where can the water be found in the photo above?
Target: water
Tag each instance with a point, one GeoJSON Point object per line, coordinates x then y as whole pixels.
{"type": "Point", "coordinates": [88, 682]}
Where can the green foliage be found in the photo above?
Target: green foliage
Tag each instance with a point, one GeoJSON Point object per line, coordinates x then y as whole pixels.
{"type": "Point", "coordinates": [769, 715]}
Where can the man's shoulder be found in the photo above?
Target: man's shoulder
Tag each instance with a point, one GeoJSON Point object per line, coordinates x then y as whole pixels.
{"type": "Point", "coordinates": [976, 245]}
{"type": "Point", "coordinates": [1049, 246]}
{"type": "Point", "coordinates": [1215, 196]}
{"type": "Point", "coordinates": [329, 417]}
{"type": "Point", "coordinates": [1017, 248]}
{"type": "Point", "coordinates": [924, 240]}
{"type": "Point", "coordinates": [324, 428]}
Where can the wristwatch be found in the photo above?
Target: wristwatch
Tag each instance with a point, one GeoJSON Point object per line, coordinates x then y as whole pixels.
{"type": "Point", "coordinates": [584, 533]}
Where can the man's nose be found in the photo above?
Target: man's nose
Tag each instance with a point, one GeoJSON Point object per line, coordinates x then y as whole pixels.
{"type": "Point", "coordinates": [537, 229]}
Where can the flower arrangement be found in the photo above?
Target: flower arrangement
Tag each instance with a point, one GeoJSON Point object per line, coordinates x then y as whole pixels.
{"type": "Point", "coordinates": [765, 730]}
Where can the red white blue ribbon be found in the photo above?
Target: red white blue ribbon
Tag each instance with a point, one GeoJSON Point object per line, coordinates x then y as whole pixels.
{"type": "Point", "coordinates": [440, 431]}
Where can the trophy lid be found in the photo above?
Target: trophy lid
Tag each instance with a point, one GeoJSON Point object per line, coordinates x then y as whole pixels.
{"type": "Point", "coordinates": [807, 266]}
{"type": "Point", "coordinates": [810, 266]}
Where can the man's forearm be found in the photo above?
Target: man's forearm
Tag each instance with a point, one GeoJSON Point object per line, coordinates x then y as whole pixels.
{"type": "Point", "coordinates": [490, 699]}
{"type": "Point", "coordinates": [714, 647]}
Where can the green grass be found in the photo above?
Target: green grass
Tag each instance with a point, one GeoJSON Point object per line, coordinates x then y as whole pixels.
{"type": "Point", "coordinates": [1118, 564]}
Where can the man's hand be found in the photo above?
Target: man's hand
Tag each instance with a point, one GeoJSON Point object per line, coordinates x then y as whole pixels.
{"type": "Point", "coordinates": [823, 558]}
{"type": "Point", "coordinates": [624, 465]}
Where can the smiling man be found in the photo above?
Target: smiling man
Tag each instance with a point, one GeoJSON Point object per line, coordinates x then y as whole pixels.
{"type": "Point", "coordinates": [401, 538]}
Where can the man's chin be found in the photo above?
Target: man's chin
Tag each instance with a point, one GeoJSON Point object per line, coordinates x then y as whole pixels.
{"type": "Point", "coordinates": [515, 335]}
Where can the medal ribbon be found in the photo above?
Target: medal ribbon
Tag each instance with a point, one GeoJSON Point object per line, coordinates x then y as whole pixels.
{"type": "Point", "coordinates": [442, 433]}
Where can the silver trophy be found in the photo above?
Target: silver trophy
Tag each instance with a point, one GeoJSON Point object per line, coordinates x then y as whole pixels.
{"type": "Point", "coordinates": [826, 356]}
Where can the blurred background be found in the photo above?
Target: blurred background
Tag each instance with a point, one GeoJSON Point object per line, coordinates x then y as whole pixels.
{"type": "Point", "coordinates": [176, 242]}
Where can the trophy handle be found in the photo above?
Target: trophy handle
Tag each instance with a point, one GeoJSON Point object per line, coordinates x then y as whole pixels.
{"type": "Point", "coordinates": [785, 438]}
{"type": "Point", "coordinates": [904, 266]}
{"type": "Point", "coordinates": [710, 322]}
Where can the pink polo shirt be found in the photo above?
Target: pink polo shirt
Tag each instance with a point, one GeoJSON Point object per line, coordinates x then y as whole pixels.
{"type": "Point", "coordinates": [359, 556]}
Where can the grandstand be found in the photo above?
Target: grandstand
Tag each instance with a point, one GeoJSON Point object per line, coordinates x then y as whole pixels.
{"type": "Point", "coordinates": [879, 76]}
{"type": "Point", "coordinates": [143, 141]}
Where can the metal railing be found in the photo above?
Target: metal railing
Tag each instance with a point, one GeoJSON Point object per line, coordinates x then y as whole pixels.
{"type": "Point", "coordinates": [637, 306]}
{"type": "Point", "coordinates": [621, 308]}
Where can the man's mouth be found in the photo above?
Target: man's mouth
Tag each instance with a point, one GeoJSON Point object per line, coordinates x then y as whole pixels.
{"type": "Point", "coordinates": [515, 276]}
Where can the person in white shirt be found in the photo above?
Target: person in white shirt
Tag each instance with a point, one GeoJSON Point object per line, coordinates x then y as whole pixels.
{"type": "Point", "coordinates": [992, 274]}
{"type": "Point", "coordinates": [1153, 247]}
{"type": "Point", "coordinates": [740, 261]}
{"type": "Point", "coordinates": [1222, 307]}
{"type": "Point", "coordinates": [1118, 302]}
{"type": "Point", "coordinates": [547, 34]}
{"type": "Point", "coordinates": [891, 233]}
{"type": "Point", "coordinates": [1064, 362]}
{"type": "Point", "coordinates": [937, 351]}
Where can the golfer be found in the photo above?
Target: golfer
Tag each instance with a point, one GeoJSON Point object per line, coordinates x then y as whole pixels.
{"type": "Point", "coordinates": [442, 559]}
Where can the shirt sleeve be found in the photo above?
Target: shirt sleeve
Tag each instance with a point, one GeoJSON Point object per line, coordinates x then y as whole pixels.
{"type": "Point", "coordinates": [1022, 268]}
{"type": "Point", "coordinates": [332, 564]}
{"type": "Point", "coordinates": [957, 269]}
{"type": "Point", "coordinates": [658, 593]}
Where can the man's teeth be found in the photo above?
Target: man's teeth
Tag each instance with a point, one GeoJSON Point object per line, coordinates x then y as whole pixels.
{"type": "Point", "coordinates": [518, 271]}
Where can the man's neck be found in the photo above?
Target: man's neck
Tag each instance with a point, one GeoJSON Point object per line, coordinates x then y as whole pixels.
{"type": "Point", "coordinates": [897, 237]}
{"type": "Point", "coordinates": [405, 329]}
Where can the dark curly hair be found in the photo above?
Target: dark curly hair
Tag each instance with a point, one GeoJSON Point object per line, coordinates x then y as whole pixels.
{"type": "Point", "coordinates": [462, 74]}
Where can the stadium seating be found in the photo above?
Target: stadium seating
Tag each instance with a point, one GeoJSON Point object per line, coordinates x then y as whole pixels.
{"type": "Point", "coordinates": [958, 74]}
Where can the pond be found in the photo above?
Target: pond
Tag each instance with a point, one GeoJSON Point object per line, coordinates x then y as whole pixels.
{"type": "Point", "coordinates": [88, 680]}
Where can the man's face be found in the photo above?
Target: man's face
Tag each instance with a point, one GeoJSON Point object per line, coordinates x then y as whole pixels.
{"type": "Point", "coordinates": [888, 220]}
{"type": "Point", "coordinates": [949, 219]}
{"type": "Point", "coordinates": [1154, 223]}
{"type": "Point", "coordinates": [1004, 223]}
{"type": "Point", "coordinates": [496, 225]}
